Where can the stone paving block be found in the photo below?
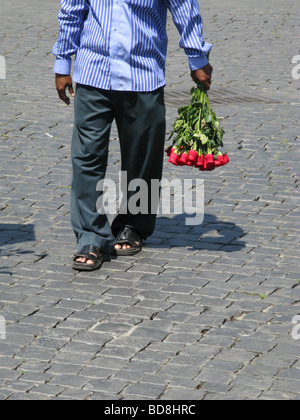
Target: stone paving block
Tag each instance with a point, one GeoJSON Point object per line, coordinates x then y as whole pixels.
{"type": "Point", "coordinates": [69, 381]}
{"type": "Point", "coordinates": [46, 391]}
{"type": "Point", "coordinates": [288, 386]}
{"type": "Point", "coordinates": [102, 396]}
{"type": "Point", "coordinates": [276, 396]}
{"type": "Point", "coordinates": [258, 346]}
{"type": "Point", "coordinates": [110, 386]}
{"type": "Point", "coordinates": [152, 391]}
{"type": "Point", "coordinates": [73, 395]}
{"type": "Point", "coordinates": [176, 393]}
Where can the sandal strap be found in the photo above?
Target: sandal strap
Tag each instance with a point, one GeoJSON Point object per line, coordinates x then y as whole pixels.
{"type": "Point", "coordinates": [128, 235]}
{"type": "Point", "coordinates": [87, 252]}
{"type": "Point", "coordinates": [91, 249]}
{"type": "Point", "coordinates": [92, 258]}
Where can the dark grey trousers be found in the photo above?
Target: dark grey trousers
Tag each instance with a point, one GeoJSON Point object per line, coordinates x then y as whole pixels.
{"type": "Point", "coordinates": [141, 122]}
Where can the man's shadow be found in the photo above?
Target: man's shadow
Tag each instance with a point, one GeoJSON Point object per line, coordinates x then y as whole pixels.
{"type": "Point", "coordinates": [212, 234]}
{"type": "Point", "coordinates": [12, 234]}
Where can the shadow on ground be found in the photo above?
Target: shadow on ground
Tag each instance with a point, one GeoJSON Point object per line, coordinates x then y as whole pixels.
{"type": "Point", "coordinates": [11, 237]}
{"type": "Point", "coordinates": [212, 234]}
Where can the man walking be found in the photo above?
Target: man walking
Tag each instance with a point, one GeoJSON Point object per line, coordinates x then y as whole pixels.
{"type": "Point", "coordinates": [120, 48]}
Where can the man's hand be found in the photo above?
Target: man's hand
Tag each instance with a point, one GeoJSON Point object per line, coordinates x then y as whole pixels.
{"type": "Point", "coordinates": [62, 83]}
{"type": "Point", "coordinates": [203, 76]}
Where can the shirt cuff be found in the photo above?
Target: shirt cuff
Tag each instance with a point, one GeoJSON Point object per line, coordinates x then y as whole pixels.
{"type": "Point", "coordinates": [62, 66]}
{"type": "Point", "coordinates": [197, 63]}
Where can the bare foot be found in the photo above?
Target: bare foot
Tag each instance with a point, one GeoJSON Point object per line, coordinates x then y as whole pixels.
{"type": "Point", "coordinates": [118, 246]}
{"type": "Point", "coordinates": [85, 261]}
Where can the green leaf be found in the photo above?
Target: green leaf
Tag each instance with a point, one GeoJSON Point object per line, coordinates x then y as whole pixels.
{"type": "Point", "coordinates": [208, 118]}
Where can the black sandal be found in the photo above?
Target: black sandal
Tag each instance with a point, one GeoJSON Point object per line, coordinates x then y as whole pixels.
{"type": "Point", "coordinates": [88, 252]}
{"type": "Point", "coordinates": [128, 236]}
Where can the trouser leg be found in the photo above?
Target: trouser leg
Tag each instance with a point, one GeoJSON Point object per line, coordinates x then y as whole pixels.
{"type": "Point", "coordinates": [93, 119]}
{"type": "Point", "coordinates": [141, 122]}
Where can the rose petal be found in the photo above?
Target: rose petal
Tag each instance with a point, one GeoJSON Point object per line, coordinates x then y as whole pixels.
{"type": "Point", "coordinates": [184, 159]}
{"type": "Point", "coordinates": [209, 163]}
{"type": "Point", "coordinates": [200, 162]}
{"type": "Point", "coordinates": [193, 156]}
{"type": "Point", "coordinates": [174, 158]}
{"type": "Point", "coordinates": [218, 162]}
{"type": "Point", "coordinates": [226, 159]}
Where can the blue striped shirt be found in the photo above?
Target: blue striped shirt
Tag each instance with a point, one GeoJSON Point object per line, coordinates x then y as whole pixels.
{"type": "Point", "coordinates": [122, 44]}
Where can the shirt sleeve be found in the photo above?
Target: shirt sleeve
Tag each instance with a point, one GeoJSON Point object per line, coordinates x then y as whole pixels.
{"type": "Point", "coordinates": [71, 18]}
{"type": "Point", "coordinates": [187, 18]}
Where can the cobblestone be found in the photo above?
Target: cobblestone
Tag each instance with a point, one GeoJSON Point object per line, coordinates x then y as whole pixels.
{"type": "Point", "coordinates": [204, 312]}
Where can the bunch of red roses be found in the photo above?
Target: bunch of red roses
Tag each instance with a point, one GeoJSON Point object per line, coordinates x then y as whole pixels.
{"type": "Point", "coordinates": [206, 162]}
{"type": "Point", "coordinates": [198, 135]}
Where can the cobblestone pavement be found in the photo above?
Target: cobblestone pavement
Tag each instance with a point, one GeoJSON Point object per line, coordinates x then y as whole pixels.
{"type": "Point", "coordinates": [204, 312]}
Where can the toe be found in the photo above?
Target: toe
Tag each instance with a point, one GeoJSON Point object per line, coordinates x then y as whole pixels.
{"type": "Point", "coordinates": [90, 262]}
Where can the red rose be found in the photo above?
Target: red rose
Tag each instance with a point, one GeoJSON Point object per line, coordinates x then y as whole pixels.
{"type": "Point", "coordinates": [222, 160]}
{"type": "Point", "coordinates": [174, 158]}
{"type": "Point", "coordinates": [193, 157]}
{"type": "Point", "coordinates": [219, 161]}
{"type": "Point", "coordinates": [225, 159]}
{"type": "Point", "coordinates": [184, 159]}
{"type": "Point", "coordinates": [209, 163]}
{"type": "Point", "coordinates": [200, 162]}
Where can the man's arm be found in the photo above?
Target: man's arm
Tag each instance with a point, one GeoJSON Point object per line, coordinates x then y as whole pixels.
{"type": "Point", "coordinates": [187, 18]}
{"type": "Point", "coordinates": [71, 19]}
